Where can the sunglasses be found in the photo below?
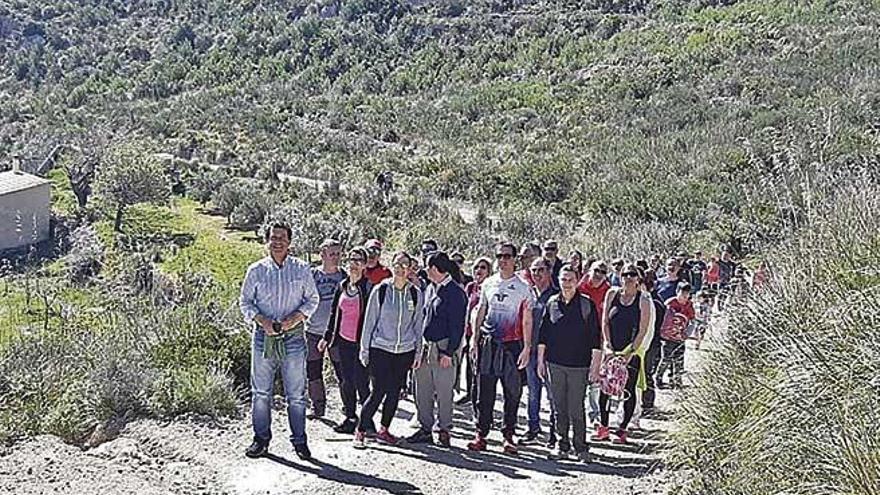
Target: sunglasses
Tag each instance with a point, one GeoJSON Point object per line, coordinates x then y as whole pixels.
{"type": "Point", "coordinates": [503, 256]}
{"type": "Point", "coordinates": [481, 267]}
{"type": "Point", "coordinates": [356, 260]}
{"type": "Point", "coordinates": [631, 274]}
{"type": "Point", "coordinates": [601, 272]}
{"type": "Point", "coordinates": [550, 249]}
{"type": "Point", "coordinates": [401, 264]}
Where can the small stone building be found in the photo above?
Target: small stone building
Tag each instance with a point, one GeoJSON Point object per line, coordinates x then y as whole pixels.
{"type": "Point", "coordinates": [24, 210]}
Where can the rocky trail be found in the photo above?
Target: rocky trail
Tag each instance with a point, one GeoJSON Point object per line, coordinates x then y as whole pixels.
{"type": "Point", "coordinates": [198, 456]}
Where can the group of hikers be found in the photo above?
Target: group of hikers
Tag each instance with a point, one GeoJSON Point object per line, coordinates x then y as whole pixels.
{"type": "Point", "coordinates": [587, 334]}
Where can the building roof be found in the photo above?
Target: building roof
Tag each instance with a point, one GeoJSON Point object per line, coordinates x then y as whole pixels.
{"type": "Point", "coordinates": [11, 182]}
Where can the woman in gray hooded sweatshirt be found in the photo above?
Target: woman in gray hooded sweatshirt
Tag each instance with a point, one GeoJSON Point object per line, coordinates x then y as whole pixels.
{"type": "Point", "coordinates": [390, 341]}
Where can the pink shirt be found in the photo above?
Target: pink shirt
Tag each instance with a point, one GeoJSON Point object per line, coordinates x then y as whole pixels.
{"type": "Point", "coordinates": [350, 315]}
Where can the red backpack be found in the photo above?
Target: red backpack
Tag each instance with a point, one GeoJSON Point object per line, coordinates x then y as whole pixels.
{"type": "Point", "coordinates": [673, 327]}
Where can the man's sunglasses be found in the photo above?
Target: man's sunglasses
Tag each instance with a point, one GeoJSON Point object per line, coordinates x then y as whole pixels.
{"type": "Point", "coordinates": [631, 274]}
{"type": "Point", "coordinates": [503, 256]}
{"type": "Point", "coordinates": [356, 260]}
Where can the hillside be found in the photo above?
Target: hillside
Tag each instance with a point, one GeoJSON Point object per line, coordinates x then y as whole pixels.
{"type": "Point", "coordinates": [696, 114]}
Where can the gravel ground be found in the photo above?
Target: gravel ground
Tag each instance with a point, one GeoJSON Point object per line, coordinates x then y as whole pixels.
{"type": "Point", "coordinates": [196, 456]}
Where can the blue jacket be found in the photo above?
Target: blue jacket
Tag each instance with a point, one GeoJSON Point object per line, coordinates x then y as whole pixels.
{"type": "Point", "coordinates": [445, 316]}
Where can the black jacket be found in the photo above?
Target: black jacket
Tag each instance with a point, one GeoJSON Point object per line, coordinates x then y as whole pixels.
{"type": "Point", "coordinates": [331, 335]}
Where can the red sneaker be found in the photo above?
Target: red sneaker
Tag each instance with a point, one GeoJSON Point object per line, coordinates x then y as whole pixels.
{"type": "Point", "coordinates": [385, 436]}
{"type": "Point", "coordinates": [510, 445]}
{"type": "Point", "coordinates": [602, 434]}
{"type": "Point", "coordinates": [621, 437]}
{"type": "Point", "coordinates": [478, 444]}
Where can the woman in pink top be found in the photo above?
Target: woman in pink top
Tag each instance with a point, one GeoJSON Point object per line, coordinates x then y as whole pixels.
{"type": "Point", "coordinates": [344, 333]}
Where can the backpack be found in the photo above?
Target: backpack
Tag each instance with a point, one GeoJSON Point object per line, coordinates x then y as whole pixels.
{"type": "Point", "coordinates": [556, 309]}
{"type": "Point", "coordinates": [674, 326]}
{"type": "Point", "coordinates": [413, 293]}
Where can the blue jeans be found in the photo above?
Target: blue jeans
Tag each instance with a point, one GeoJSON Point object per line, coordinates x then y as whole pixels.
{"type": "Point", "coordinates": [593, 399]}
{"type": "Point", "coordinates": [293, 373]}
{"type": "Point", "coordinates": [536, 387]}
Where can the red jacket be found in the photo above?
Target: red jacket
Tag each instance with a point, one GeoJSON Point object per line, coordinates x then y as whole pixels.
{"type": "Point", "coordinates": [596, 294]}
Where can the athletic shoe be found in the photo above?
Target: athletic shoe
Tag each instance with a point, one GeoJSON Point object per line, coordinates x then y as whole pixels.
{"type": "Point", "coordinates": [510, 445]}
{"type": "Point", "coordinates": [601, 435]}
{"type": "Point", "coordinates": [360, 440]}
{"type": "Point", "coordinates": [303, 452]}
{"type": "Point", "coordinates": [635, 424]}
{"type": "Point", "coordinates": [478, 444]}
{"type": "Point", "coordinates": [529, 437]}
{"type": "Point", "coordinates": [257, 449]}
{"type": "Point", "coordinates": [621, 437]}
{"type": "Point", "coordinates": [444, 438]}
{"type": "Point", "coordinates": [346, 427]}
{"type": "Point", "coordinates": [420, 436]}
{"type": "Point", "coordinates": [584, 456]}
{"type": "Point", "coordinates": [464, 400]}
{"type": "Point", "coordinates": [558, 454]}
{"type": "Point", "coordinates": [385, 436]}
{"type": "Point", "coordinates": [551, 441]}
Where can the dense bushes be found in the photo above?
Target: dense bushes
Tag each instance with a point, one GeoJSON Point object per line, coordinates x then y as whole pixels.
{"type": "Point", "coordinates": [121, 356]}
{"type": "Point", "coordinates": [788, 399]}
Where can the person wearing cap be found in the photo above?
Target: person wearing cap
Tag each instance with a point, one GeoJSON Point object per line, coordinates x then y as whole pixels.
{"type": "Point", "coordinates": [684, 270]}
{"type": "Point", "coordinates": [327, 279]}
{"type": "Point", "coordinates": [551, 254]}
{"type": "Point", "coordinates": [615, 278]}
{"type": "Point", "coordinates": [527, 253]}
{"type": "Point", "coordinates": [375, 271]}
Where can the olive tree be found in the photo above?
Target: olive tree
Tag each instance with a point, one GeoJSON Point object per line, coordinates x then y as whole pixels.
{"type": "Point", "coordinates": [131, 176]}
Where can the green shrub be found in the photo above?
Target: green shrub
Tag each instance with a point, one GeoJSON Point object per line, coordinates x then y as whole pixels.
{"type": "Point", "coordinates": [787, 401]}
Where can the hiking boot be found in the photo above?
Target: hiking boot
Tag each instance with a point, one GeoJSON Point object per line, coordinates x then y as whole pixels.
{"type": "Point", "coordinates": [510, 445]}
{"type": "Point", "coordinates": [346, 427]}
{"type": "Point", "coordinates": [602, 434]}
{"type": "Point", "coordinates": [585, 457]}
{"type": "Point", "coordinates": [257, 449]}
{"type": "Point", "coordinates": [444, 438]}
{"type": "Point", "coordinates": [302, 451]}
{"type": "Point", "coordinates": [478, 444]}
{"type": "Point", "coordinates": [420, 436]}
{"type": "Point", "coordinates": [621, 437]}
{"type": "Point", "coordinates": [530, 437]}
{"type": "Point", "coordinates": [385, 436]}
{"type": "Point", "coordinates": [559, 454]}
{"type": "Point", "coordinates": [360, 440]}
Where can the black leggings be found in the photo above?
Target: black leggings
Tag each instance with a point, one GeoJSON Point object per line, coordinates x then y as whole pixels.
{"type": "Point", "coordinates": [629, 406]}
{"type": "Point", "coordinates": [354, 387]}
{"type": "Point", "coordinates": [387, 372]}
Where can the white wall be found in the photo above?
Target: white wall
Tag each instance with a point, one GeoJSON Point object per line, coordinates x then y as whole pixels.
{"type": "Point", "coordinates": [24, 217]}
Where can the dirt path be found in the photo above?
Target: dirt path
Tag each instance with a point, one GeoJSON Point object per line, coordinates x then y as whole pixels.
{"type": "Point", "coordinates": [193, 456]}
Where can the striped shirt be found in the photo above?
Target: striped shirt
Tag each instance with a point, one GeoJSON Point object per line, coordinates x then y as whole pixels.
{"type": "Point", "coordinates": [277, 292]}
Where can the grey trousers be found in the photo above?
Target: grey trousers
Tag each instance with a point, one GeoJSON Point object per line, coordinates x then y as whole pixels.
{"type": "Point", "coordinates": [569, 386]}
{"type": "Point", "coordinates": [432, 381]}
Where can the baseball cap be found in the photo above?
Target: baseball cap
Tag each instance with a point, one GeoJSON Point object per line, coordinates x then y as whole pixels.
{"type": "Point", "coordinates": [373, 244]}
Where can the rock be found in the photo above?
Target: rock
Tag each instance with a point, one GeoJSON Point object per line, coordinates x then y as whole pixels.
{"type": "Point", "coordinates": [122, 448]}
